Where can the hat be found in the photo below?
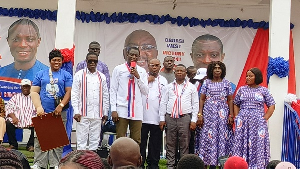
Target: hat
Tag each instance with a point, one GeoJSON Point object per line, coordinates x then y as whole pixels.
{"type": "Point", "coordinates": [25, 82]}
{"type": "Point", "coordinates": [285, 165]}
{"type": "Point", "coordinates": [201, 73]}
{"type": "Point", "coordinates": [235, 162]}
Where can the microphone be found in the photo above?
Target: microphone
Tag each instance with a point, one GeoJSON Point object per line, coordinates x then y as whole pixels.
{"type": "Point", "coordinates": [132, 64]}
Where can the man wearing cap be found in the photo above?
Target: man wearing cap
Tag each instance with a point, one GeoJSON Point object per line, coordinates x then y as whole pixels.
{"type": "Point", "coordinates": [19, 111]}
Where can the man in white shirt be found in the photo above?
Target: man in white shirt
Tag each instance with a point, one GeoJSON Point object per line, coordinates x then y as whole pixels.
{"type": "Point", "coordinates": [128, 84]}
{"type": "Point", "coordinates": [178, 112]}
{"type": "Point", "coordinates": [90, 101]}
{"type": "Point", "coordinates": [156, 84]}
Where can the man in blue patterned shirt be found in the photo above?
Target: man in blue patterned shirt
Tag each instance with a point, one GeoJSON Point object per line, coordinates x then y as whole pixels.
{"type": "Point", "coordinates": [102, 67]}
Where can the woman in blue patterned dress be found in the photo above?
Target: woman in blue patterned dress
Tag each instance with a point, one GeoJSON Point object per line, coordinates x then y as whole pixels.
{"type": "Point", "coordinates": [251, 137]}
{"type": "Point", "coordinates": [215, 116]}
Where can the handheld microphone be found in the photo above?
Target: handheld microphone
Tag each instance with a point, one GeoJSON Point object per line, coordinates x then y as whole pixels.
{"type": "Point", "coordinates": [132, 64]}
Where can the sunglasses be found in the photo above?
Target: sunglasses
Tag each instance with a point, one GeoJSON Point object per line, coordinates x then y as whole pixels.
{"type": "Point", "coordinates": [92, 61]}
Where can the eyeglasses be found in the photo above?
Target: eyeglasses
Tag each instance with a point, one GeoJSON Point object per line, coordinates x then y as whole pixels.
{"type": "Point", "coordinates": [92, 61]}
{"type": "Point", "coordinates": [143, 47]}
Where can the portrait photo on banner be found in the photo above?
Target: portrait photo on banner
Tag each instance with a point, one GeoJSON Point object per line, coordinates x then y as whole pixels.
{"type": "Point", "coordinates": [188, 45]}
{"type": "Point", "coordinates": [25, 46]}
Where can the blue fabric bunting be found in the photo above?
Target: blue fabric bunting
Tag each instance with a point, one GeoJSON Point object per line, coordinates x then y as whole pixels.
{"type": "Point", "coordinates": [278, 66]}
{"type": "Point", "coordinates": [134, 18]}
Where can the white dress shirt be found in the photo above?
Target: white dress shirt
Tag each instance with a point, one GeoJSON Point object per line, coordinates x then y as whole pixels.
{"type": "Point", "coordinates": [22, 107]}
{"type": "Point", "coordinates": [189, 100]}
{"type": "Point", "coordinates": [119, 91]}
{"type": "Point", "coordinates": [152, 100]}
{"type": "Point", "coordinates": [92, 97]}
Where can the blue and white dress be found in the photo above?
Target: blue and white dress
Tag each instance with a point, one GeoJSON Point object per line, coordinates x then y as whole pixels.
{"type": "Point", "coordinates": [213, 139]}
{"type": "Point", "coordinates": [251, 137]}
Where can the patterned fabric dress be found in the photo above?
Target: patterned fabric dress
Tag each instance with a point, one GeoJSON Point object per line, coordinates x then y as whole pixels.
{"type": "Point", "coordinates": [213, 139]}
{"type": "Point", "coordinates": [251, 137]}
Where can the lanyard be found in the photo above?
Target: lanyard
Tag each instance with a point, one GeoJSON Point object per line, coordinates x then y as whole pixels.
{"type": "Point", "coordinates": [130, 98]}
{"type": "Point", "coordinates": [84, 94]}
{"type": "Point", "coordinates": [159, 93]}
{"type": "Point", "coordinates": [177, 109]}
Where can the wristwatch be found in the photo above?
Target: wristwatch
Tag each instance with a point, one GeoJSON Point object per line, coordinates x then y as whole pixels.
{"type": "Point", "coordinates": [61, 104]}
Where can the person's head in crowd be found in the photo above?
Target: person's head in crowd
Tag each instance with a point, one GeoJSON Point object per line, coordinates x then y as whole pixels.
{"type": "Point", "coordinates": [254, 77]}
{"type": "Point", "coordinates": [285, 165]}
{"type": "Point", "coordinates": [26, 86]}
{"type": "Point", "coordinates": [124, 152]}
{"type": "Point", "coordinates": [201, 74]}
{"type": "Point", "coordinates": [216, 69]}
{"type": "Point", "coordinates": [9, 160]}
{"type": "Point", "coordinates": [205, 49]}
{"type": "Point", "coordinates": [235, 162]}
{"type": "Point", "coordinates": [180, 73]}
{"type": "Point", "coordinates": [81, 159]}
{"type": "Point", "coordinates": [23, 40]}
{"type": "Point", "coordinates": [154, 67]}
{"type": "Point", "coordinates": [55, 59]}
{"type": "Point", "coordinates": [146, 44]}
{"type": "Point", "coordinates": [191, 72]}
{"type": "Point", "coordinates": [132, 54]}
{"type": "Point", "coordinates": [22, 158]}
{"type": "Point", "coordinates": [105, 163]}
{"type": "Point", "coordinates": [168, 64]}
{"type": "Point", "coordinates": [128, 167]}
{"type": "Point", "coordinates": [190, 161]}
{"type": "Point", "coordinates": [92, 60]}
{"type": "Point", "coordinates": [94, 47]}
{"type": "Point", "coordinates": [272, 164]}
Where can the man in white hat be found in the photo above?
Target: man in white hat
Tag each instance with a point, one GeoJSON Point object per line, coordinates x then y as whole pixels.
{"type": "Point", "coordinates": [196, 77]}
{"type": "Point", "coordinates": [19, 110]}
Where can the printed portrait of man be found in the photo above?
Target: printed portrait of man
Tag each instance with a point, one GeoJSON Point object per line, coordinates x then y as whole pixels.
{"type": "Point", "coordinates": [146, 44]}
{"type": "Point", "coordinates": [23, 40]}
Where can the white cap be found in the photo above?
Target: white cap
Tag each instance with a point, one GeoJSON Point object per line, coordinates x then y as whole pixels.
{"type": "Point", "coordinates": [285, 165]}
{"type": "Point", "coordinates": [25, 82]}
{"type": "Point", "coordinates": [201, 73]}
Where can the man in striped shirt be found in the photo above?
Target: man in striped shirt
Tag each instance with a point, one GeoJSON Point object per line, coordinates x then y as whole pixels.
{"type": "Point", "coordinates": [19, 111]}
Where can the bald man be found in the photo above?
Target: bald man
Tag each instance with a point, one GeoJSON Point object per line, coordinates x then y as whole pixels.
{"type": "Point", "coordinates": [146, 44]}
{"type": "Point", "coordinates": [124, 152]}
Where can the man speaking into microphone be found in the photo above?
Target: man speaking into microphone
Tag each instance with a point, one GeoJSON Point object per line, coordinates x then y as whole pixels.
{"type": "Point", "coordinates": [128, 84]}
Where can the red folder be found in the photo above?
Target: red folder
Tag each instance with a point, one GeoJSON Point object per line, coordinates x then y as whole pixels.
{"type": "Point", "coordinates": [50, 131]}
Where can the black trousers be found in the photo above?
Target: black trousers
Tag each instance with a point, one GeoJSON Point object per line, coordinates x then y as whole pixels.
{"type": "Point", "coordinates": [11, 133]}
{"type": "Point", "coordinates": [154, 145]}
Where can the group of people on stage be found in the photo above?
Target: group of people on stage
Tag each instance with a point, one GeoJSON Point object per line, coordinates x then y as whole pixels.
{"type": "Point", "coordinates": [199, 113]}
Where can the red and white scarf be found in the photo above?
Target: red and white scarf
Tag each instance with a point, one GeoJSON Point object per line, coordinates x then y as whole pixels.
{"type": "Point", "coordinates": [84, 94]}
{"type": "Point", "coordinates": [177, 109]}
